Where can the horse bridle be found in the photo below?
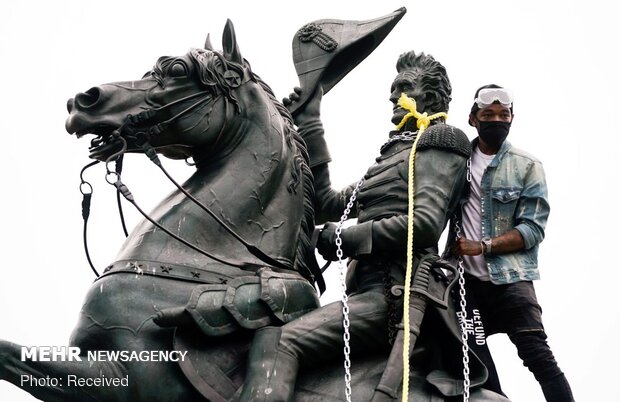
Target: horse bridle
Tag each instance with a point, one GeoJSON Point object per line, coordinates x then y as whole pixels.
{"type": "Point", "coordinates": [155, 121]}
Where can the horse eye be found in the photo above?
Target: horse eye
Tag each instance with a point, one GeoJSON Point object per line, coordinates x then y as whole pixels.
{"type": "Point", "coordinates": [177, 70]}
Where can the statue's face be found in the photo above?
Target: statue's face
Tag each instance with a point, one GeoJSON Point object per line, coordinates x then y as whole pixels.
{"type": "Point", "coordinates": [406, 81]}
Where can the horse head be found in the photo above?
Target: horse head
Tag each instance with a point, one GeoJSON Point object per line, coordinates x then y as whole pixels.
{"type": "Point", "coordinates": [210, 106]}
{"type": "Point", "coordinates": [181, 107]}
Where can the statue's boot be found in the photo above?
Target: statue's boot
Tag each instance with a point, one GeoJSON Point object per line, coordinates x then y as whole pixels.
{"type": "Point", "coordinates": [271, 373]}
{"type": "Point", "coordinates": [557, 389]}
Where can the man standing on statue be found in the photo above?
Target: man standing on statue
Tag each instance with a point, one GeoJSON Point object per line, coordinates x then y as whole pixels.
{"type": "Point", "coordinates": [502, 223]}
{"type": "Point", "coordinates": [376, 245]}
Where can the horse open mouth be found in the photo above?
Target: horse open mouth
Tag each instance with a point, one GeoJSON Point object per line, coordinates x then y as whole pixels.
{"type": "Point", "coordinates": [102, 147]}
{"type": "Point", "coordinates": [105, 142]}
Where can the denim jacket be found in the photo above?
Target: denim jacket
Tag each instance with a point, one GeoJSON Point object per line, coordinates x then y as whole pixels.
{"type": "Point", "coordinates": [514, 196]}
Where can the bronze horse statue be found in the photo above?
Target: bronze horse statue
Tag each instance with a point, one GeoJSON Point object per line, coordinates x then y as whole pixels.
{"type": "Point", "coordinates": [226, 253]}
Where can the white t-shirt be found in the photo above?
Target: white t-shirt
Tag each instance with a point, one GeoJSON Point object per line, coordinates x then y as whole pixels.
{"type": "Point", "coordinates": [472, 214]}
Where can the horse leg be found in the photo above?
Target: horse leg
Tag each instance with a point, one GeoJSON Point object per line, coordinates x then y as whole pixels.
{"type": "Point", "coordinates": [59, 380]}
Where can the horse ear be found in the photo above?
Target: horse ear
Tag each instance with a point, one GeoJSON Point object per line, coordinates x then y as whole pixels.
{"type": "Point", "coordinates": [208, 45]}
{"type": "Point", "coordinates": [229, 43]}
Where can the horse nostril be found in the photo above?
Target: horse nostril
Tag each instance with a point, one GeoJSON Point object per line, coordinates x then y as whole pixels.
{"type": "Point", "coordinates": [88, 99]}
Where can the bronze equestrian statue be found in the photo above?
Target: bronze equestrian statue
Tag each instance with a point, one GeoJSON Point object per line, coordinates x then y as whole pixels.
{"type": "Point", "coordinates": [228, 252]}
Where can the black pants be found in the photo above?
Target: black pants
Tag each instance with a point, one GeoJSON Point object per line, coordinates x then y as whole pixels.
{"type": "Point", "coordinates": [514, 310]}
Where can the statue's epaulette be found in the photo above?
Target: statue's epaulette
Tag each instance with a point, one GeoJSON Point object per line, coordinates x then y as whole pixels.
{"type": "Point", "coordinates": [445, 136]}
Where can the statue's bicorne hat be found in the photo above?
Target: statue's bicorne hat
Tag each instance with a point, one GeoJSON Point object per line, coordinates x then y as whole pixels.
{"type": "Point", "coordinates": [324, 51]}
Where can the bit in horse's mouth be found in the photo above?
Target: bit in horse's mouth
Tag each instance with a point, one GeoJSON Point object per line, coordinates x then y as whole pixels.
{"type": "Point", "coordinates": [104, 143]}
{"type": "Point", "coordinates": [103, 146]}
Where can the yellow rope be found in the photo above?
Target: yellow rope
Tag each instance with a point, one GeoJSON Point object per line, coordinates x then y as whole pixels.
{"type": "Point", "coordinates": [423, 121]}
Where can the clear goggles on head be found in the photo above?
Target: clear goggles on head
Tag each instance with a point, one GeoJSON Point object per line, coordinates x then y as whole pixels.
{"type": "Point", "coordinates": [488, 96]}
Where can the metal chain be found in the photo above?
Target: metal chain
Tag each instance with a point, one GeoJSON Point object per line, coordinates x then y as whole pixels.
{"type": "Point", "coordinates": [346, 336]}
{"type": "Point", "coordinates": [464, 335]}
{"type": "Point", "coordinates": [463, 303]}
{"type": "Point", "coordinates": [404, 136]}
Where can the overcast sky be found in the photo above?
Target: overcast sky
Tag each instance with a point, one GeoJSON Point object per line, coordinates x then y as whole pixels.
{"type": "Point", "coordinates": [559, 57]}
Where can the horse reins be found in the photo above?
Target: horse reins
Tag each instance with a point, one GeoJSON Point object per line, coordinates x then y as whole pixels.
{"type": "Point", "coordinates": [128, 129]}
{"type": "Point", "coordinates": [87, 192]}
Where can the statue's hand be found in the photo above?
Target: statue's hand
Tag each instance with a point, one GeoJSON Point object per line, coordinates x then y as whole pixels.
{"type": "Point", "coordinates": [326, 245]}
{"type": "Point", "coordinates": [292, 97]}
{"type": "Point", "coordinates": [311, 110]}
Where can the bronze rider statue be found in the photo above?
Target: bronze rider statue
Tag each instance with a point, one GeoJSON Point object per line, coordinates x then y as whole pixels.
{"type": "Point", "coordinates": [376, 245]}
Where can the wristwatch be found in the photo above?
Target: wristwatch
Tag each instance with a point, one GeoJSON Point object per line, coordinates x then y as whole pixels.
{"type": "Point", "coordinates": [486, 242]}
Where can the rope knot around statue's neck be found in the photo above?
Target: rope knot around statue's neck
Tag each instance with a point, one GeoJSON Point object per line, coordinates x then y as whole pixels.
{"type": "Point", "coordinates": [423, 119]}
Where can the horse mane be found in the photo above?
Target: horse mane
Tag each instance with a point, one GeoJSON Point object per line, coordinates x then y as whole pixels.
{"type": "Point", "coordinates": [211, 67]}
{"type": "Point", "coordinates": [301, 174]}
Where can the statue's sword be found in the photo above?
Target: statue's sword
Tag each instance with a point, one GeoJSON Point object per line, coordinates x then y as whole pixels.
{"type": "Point", "coordinates": [425, 288]}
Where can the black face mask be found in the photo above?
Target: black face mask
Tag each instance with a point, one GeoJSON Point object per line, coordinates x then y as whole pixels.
{"type": "Point", "coordinates": [493, 133]}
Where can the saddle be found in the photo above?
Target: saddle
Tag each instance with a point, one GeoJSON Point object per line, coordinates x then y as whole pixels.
{"type": "Point", "coordinates": [215, 326]}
